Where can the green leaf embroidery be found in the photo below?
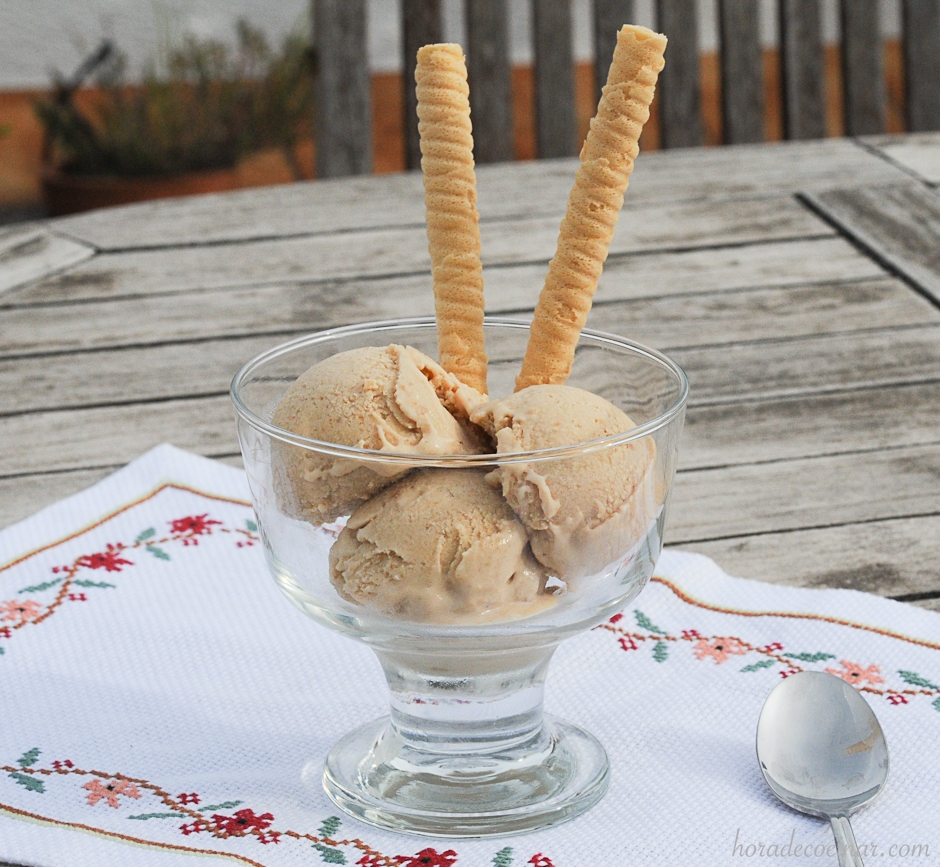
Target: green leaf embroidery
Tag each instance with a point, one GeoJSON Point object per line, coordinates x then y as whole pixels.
{"type": "Point", "coordinates": [84, 583]}
{"type": "Point", "coordinates": [159, 816]}
{"type": "Point", "coordinates": [147, 534]}
{"type": "Point", "coordinates": [503, 858]}
{"type": "Point", "coordinates": [2, 651]}
{"type": "Point", "coordinates": [226, 805]}
{"type": "Point", "coordinates": [25, 760]}
{"type": "Point", "coordinates": [755, 666]}
{"type": "Point", "coordinates": [810, 657]}
{"type": "Point", "coordinates": [331, 856]}
{"type": "Point", "coordinates": [29, 782]}
{"type": "Point", "coordinates": [644, 622]}
{"type": "Point", "coordinates": [936, 704]}
{"type": "Point", "coordinates": [157, 552]}
{"type": "Point", "coordinates": [251, 525]}
{"type": "Point", "coordinates": [915, 679]}
{"type": "Point", "coordinates": [329, 827]}
{"type": "Point", "coordinates": [38, 588]}
{"type": "Point", "coordinates": [660, 651]}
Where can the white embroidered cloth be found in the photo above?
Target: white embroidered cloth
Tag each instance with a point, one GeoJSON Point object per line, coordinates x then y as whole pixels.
{"type": "Point", "coordinates": [159, 698]}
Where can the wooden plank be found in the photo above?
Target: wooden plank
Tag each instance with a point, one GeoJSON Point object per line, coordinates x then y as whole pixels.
{"type": "Point", "coordinates": [343, 103]}
{"type": "Point", "coordinates": [117, 434]}
{"type": "Point", "coordinates": [742, 71]}
{"type": "Point", "coordinates": [781, 368]}
{"type": "Point", "coordinates": [375, 253]}
{"type": "Point", "coordinates": [490, 80]}
{"type": "Point", "coordinates": [802, 69]}
{"type": "Point", "coordinates": [680, 84]}
{"type": "Point", "coordinates": [666, 316]}
{"type": "Point", "coordinates": [919, 154]}
{"type": "Point", "coordinates": [508, 190]}
{"type": "Point", "coordinates": [809, 425]}
{"type": "Point", "coordinates": [421, 25]}
{"type": "Point", "coordinates": [31, 252]}
{"type": "Point", "coordinates": [900, 225]}
{"type": "Point", "coordinates": [555, 122]}
{"type": "Point", "coordinates": [799, 494]}
{"type": "Point", "coordinates": [921, 41]}
{"type": "Point", "coordinates": [890, 558]}
{"type": "Point", "coordinates": [863, 73]}
{"type": "Point", "coordinates": [609, 17]}
{"type": "Point", "coordinates": [718, 374]}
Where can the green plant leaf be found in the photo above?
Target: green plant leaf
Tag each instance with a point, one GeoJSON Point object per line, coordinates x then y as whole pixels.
{"type": "Point", "coordinates": [38, 588]}
{"type": "Point", "coordinates": [660, 651]}
{"type": "Point", "coordinates": [159, 816]}
{"type": "Point", "coordinates": [147, 534]}
{"type": "Point", "coordinates": [756, 666]}
{"type": "Point", "coordinates": [915, 679]}
{"type": "Point", "coordinates": [84, 583]}
{"type": "Point", "coordinates": [252, 526]}
{"type": "Point", "coordinates": [645, 623]}
{"type": "Point", "coordinates": [31, 783]}
{"type": "Point", "coordinates": [810, 657]}
{"type": "Point", "coordinates": [936, 704]}
{"type": "Point", "coordinates": [225, 805]}
{"type": "Point", "coordinates": [503, 858]}
{"type": "Point", "coordinates": [331, 856]}
{"type": "Point", "coordinates": [159, 553]}
{"type": "Point", "coordinates": [28, 758]}
{"type": "Point", "coordinates": [329, 827]}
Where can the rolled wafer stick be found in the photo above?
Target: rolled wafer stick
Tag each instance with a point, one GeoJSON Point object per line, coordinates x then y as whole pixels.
{"type": "Point", "coordinates": [593, 206]}
{"type": "Point", "coordinates": [450, 200]}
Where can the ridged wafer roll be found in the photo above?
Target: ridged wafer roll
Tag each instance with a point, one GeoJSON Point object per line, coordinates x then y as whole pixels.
{"type": "Point", "coordinates": [450, 200]}
{"type": "Point", "coordinates": [593, 206]}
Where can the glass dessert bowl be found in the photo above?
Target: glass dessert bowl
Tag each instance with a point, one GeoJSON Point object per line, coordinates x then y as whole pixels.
{"type": "Point", "coordinates": [463, 572]}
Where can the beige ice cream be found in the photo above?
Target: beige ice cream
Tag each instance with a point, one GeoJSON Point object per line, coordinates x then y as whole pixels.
{"type": "Point", "coordinates": [392, 399]}
{"type": "Point", "coordinates": [583, 513]}
{"type": "Point", "coordinates": [440, 546]}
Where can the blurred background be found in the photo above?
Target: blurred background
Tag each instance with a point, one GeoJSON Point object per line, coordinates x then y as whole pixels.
{"type": "Point", "coordinates": [52, 112]}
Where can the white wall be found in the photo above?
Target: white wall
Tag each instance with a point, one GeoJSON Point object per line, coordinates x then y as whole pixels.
{"type": "Point", "coordinates": [39, 35]}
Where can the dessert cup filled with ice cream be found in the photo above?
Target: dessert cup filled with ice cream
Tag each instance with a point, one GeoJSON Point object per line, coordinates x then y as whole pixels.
{"type": "Point", "coordinates": [462, 537]}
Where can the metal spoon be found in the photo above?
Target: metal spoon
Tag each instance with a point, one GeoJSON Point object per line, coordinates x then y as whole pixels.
{"type": "Point", "coordinates": [822, 752]}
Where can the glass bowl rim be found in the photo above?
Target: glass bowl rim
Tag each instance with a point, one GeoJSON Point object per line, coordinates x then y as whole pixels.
{"type": "Point", "coordinates": [420, 460]}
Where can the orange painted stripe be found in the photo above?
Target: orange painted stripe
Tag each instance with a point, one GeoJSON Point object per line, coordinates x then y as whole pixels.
{"type": "Point", "coordinates": [691, 600]}
{"type": "Point", "coordinates": [117, 512]}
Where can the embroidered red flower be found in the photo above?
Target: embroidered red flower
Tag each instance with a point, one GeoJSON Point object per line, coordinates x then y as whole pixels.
{"type": "Point", "coordinates": [627, 644]}
{"type": "Point", "coordinates": [371, 861]}
{"type": "Point", "coordinates": [188, 798]}
{"type": "Point", "coordinates": [270, 837]}
{"type": "Point", "coordinates": [196, 525]}
{"type": "Point", "coordinates": [897, 699]}
{"type": "Point", "coordinates": [78, 597]}
{"type": "Point", "coordinates": [718, 649]}
{"type": "Point", "coordinates": [192, 828]}
{"type": "Point", "coordinates": [242, 822]}
{"type": "Point", "coordinates": [540, 860]}
{"type": "Point", "coordinates": [5, 631]}
{"type": "Point", "coordinates": [59, 765]}
{"type": "Point", "coordinates": [852, 673]}
{"type": "Point", "coordinates": [616, 618]}
{"type": "Point", "coordinates": [109, 791]}
{"type": "Point", "coordinates": [20, 612]}
{"type": "Point", "coordinates": [772, 648]}
{"type": "Point", "coordinates": [107, 560]}
{"type": "Point", "coordinates": [428, 858]}
{"type": "Point", "coordinates": [690, 633]}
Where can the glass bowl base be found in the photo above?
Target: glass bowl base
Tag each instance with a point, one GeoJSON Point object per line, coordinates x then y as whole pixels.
{"type": "Point", "coordinates": [548, 777]}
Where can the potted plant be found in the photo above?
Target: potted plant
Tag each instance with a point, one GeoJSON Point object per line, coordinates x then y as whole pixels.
{"type": "Point", "coordinates": [181, 132]}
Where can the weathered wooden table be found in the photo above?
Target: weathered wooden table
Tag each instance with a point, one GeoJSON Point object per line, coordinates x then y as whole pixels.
{"type": "Point", "coordinates": [798, 285]}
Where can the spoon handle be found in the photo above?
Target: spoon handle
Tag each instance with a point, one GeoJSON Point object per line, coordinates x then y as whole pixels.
{"type": "Point", "coordinates": [845, 842]}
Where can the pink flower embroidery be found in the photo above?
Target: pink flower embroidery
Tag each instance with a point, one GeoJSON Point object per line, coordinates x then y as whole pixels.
{"type": "Point", "coordinates": [109, 791]}
{"type": "Point", "coordinates": [107, 560]}
{"type": "Point", "coordinates": [852, 673]}
{"type": "Point", "coordinates": [428, 858]}
{"type": "Point", "coordinates": [21, 612]}
{"type": "Point", "coordinates": [718, 649]}
{"type": "Point", "coordinates": [194, 524]}
{"type": "Point", "coordinates": [242, 822]}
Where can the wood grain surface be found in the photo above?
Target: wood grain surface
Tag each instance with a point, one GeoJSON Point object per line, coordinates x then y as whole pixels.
{"type": "Point", "coordinates": [798, 284]}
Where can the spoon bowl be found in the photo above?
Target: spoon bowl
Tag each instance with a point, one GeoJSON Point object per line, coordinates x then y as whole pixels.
{"type": "Point", "coordinates": [822, 751]}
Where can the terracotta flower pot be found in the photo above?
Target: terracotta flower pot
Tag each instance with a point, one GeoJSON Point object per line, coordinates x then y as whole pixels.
{"type": "Point", "coordinates": [66, 193]}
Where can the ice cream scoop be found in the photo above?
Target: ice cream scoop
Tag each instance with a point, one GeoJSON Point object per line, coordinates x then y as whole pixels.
{"type": "Point", "coordinates": [583, 513]}
{"type": "Point", "coordinates": [392, 398]}
{"type": "Point", "coordinates": [440, 546]}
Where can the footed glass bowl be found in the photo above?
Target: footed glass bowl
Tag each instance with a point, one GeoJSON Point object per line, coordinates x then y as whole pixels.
{"type": "Point", "coordinates": [466, 749]}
